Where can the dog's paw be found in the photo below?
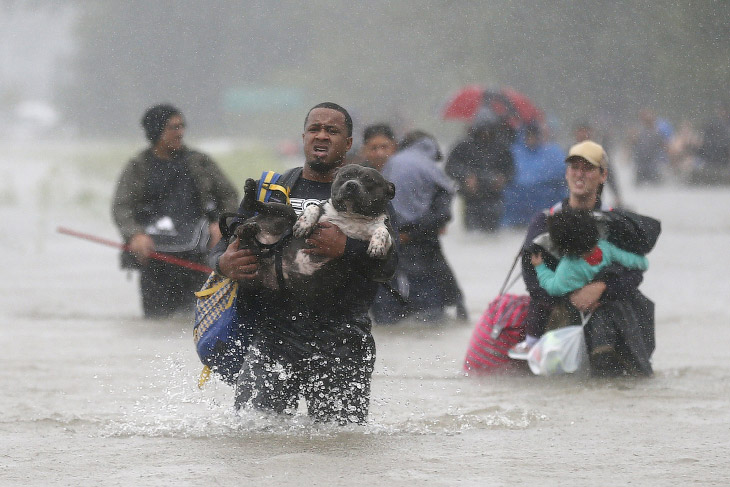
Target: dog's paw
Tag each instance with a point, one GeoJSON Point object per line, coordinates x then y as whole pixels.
{"type": "Point", "coordinates": [380, 243]}
{"type": "Point", "coordinates": [306, 221]}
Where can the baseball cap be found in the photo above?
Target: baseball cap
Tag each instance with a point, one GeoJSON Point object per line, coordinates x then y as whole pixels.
{"type": "Point", "coordinates": [590, 151]}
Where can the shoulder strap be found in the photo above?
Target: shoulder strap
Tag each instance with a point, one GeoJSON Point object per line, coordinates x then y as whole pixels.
{"type": "Point", "coordinates": [272, 181]}
{"type": "Point", "coordinates": [268, 184]}
{"type": "Point", "coordinates": [290, 177]}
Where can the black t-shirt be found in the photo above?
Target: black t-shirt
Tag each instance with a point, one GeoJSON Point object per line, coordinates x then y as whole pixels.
{"type": "Point", "coordinates": [305, 193]}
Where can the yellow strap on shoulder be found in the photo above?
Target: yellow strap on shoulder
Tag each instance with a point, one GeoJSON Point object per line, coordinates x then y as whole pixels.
{"type": "Point", "coordinates": [277, 187]}
{"type": "Point", "coordinates": [265, 185]}
{"type": "Point", "coordinates": [204, 377]}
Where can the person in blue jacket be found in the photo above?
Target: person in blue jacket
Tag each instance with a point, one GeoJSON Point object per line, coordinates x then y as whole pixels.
{"type": "Point", "coordinates": [539, 177]}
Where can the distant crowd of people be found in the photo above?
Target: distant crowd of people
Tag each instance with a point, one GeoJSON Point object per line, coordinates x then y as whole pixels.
{"type": "Point", "coordinates": [688, 154]}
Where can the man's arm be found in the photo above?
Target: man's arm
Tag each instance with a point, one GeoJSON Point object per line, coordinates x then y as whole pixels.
{"type": "Point", "coordinates": [128, 193]}
{"type": "Point", "coordinates": [433, 221]}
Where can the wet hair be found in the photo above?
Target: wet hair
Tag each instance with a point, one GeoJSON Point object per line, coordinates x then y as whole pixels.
{"type": "Point", "coordinates": [333, 106]}
{"type": "Point", "coordinates": [378, 129]}
{"type": "Point", "coordinates": [155, 119]}
{"type": "Point", "coordinates": [414, 136]}
{"type": "Point", "coordinates": [574, 232]}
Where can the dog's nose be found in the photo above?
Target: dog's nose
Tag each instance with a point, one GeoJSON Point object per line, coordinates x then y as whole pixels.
{"type": "Point", "coordinates": [350, 186]}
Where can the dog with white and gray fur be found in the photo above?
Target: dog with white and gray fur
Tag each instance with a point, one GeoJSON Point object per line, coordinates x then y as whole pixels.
{"type": "Point", "coordinates": [357, 205]}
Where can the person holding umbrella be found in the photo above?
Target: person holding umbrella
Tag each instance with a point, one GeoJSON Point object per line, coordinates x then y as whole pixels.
{"type": "Point", "coordinates": [482, 165]}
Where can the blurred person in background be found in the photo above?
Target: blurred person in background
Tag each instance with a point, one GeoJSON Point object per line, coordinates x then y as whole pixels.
{"type": "Point", "coordinates": [378, 145]}
{"type": "Point", "coordinates": [649, 144]}
{"type": "Point", "coordinates": [715, 148]}
{"type": "Point", "coordinates": [168, 198]}
{"type": "Point", "coordinates": [422, 206]}
{"type": "Point", "coordinates": [482, 166]}
{"type": "Point", "coordinates": [683, 150]}
{"type": "Point", "coordinates": [539, 176]}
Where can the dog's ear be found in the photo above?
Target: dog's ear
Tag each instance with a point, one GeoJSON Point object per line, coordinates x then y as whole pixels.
{"type": "Point", "coordinates": [391, 191]}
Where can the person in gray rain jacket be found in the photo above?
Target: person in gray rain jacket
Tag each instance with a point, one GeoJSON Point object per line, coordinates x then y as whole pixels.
{"type": "Point", "coordinates": [422, 207]}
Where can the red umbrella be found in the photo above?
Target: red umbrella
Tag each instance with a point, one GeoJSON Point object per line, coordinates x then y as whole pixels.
{"type": "Point", "coordinates": [507, 102]}
{"type": "Point", "coordinates": [464, 104]}
{"type": "Point", "coordinates": [526, 110]}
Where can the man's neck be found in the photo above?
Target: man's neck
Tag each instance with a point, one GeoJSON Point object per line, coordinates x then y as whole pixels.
{"type": "Point", "coordinates": [163, 153]}
{"type": "Point", "coordinates": [320, 177]}
{"type": "Point", "coordinates": [583, 203]}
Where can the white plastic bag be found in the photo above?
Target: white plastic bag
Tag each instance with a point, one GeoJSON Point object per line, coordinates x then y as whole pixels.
{"type": "Point", "coordinates": [561, 351]}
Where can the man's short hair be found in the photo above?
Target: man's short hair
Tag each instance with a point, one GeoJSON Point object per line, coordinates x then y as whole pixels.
{"type": "Point", "coordinates": [378, 129]}
{"type": "Point", "coordinates": [333, 106]}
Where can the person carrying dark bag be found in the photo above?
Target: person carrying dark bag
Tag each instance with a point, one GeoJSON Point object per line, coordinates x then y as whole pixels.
{"type": "Point", "coordinates": [620, 333]}
{"type": "Point", "coordinates": [168, 199]}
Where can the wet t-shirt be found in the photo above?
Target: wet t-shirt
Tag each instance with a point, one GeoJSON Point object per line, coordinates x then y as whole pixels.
{"type": "Point", "coordinates": [305, 193]}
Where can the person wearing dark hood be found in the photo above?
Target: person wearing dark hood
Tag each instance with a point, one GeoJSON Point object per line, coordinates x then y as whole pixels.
{"type": "Point", "coordinates": [482, 166]}
{"type": "Point", "coordinates": [322, 351]}
{"type": "Point", "coordinates": [168, 199]}
{"type": "Point", "coordinates": [422, 206]}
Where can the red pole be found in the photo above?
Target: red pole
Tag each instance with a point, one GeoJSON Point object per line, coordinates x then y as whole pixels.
{"type": "Point", "coordinates": [154, 255]}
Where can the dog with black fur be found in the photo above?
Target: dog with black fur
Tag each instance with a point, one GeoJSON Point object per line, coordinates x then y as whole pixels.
{"type": "Point", "coordinates": [357, 205]}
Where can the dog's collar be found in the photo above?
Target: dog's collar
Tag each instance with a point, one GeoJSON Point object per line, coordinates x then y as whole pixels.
{"type": "Point", "coordinates": [265, 250]}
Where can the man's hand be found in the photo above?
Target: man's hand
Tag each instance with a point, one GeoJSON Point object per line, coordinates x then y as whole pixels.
{"type": "Point", "coordinates": [141, 246]}
{"type": "Point", "coordinates": [326, 240]}
{"type": "Point", "coordinates": [587, 298]}
{"type": "Point", "coordinates": [238, 263]}
{"type": "Point", "coordinates": [536, 259]}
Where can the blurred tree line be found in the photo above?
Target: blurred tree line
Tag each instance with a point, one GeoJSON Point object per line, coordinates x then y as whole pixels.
{"type": "Point", "coordinates": [388, 60]}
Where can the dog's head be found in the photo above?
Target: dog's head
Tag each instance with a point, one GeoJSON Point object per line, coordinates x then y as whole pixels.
{"type": "Point", "coordinates": [361, 190]}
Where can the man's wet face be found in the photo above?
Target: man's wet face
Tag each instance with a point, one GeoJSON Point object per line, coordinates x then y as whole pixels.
{"type": "Point", "coordinates": [583, 178]}
{"type": "Point", "coordinates": [326, 140]}
{"type": "Point", "coordinates": [171, 138]}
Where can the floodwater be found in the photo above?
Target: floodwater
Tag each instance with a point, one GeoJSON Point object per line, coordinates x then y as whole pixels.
{"type": "Point", "coordinates": [95, 395]}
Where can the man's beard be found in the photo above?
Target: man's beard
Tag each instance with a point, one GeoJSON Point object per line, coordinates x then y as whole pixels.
{"type": "Point", "coordinates": [322, 167]}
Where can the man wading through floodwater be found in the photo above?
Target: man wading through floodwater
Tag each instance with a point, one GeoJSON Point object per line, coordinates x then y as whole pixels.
{"type": "Point", "coordinates": [321, 351]}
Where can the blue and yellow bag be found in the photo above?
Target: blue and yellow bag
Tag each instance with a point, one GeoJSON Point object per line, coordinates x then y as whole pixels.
{"type": "Point", "coordinates": [219, 339]}
{"type": "Point", "coordinates": [216, 332]}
